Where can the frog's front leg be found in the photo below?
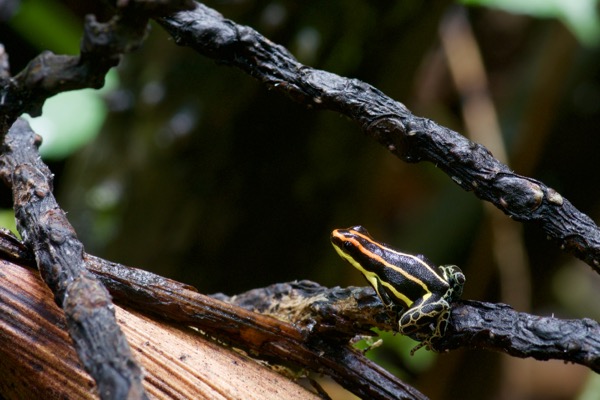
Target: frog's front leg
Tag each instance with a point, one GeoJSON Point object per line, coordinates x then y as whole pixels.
{"type": "Point", "coordinates": [425, 321]}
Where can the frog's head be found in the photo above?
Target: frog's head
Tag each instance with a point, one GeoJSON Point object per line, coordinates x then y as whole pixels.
{"type": "Point", "coordinates": [356, 246]}
{"type": "Point", "coordinates": [348, 243]}
{"type": "Point", "coordinates": [456, 280]}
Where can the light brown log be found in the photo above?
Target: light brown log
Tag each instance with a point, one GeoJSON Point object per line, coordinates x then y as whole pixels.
{"type": "Point", "coordinates": [37, 359]}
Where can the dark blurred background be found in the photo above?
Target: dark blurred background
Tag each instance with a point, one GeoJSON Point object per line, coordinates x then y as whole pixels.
{"type": "Point", "coordinates": [197, 172]}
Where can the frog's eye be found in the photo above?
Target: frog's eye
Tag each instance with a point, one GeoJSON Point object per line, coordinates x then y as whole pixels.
{"type": "Point", "coordinates": [348, 245]}
{"type": "Point", "coordinates": [361, 230]}
{"type": "Point", "coordinates": [455, 278]}
{"type": "Point", "coordinates": [460, 278]}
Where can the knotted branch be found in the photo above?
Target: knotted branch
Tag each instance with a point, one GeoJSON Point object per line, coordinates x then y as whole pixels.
{"type": "Point", "coordinates": [473, 324]}
{"type": "Point", "coordinates": [102, 46]}
{"type": "Point", "coordinates": [338, 313]}
{"type": "Point", "coordinates": [100, 344]}
{"type": "Point", "coordinates": [320, 345]}
{"type": "Point", "coordinates": [410, 138]}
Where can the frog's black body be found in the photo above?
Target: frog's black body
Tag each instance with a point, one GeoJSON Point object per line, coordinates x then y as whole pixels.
{"type": "Point", "coordinates": [413, 283]}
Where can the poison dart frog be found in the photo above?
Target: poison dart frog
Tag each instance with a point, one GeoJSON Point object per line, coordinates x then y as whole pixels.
{"type": "Point", "coordinates": [410, 282]}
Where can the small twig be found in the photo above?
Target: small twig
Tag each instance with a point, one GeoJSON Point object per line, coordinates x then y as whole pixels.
{"type": "Point", "coordinates": [102, 45]}
{"type": "Point", "coordinates": [91, 322]}
{"type": "Point", "coordinates": [411, 138]}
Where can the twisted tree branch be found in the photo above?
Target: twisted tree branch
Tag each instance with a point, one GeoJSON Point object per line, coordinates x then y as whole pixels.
{"type": "Point", "coordinates": [319, 345]}
{"type": "Point", "coordinates": [473, 324]}
{"type": "Point", "coordinates": [410, 138]}
{"type": "Point", "coordinates": [102, 45]}
{"type": "Point", "coordinates": [100, 344]}
{"type": "Point", "coordinates": [341, 313]}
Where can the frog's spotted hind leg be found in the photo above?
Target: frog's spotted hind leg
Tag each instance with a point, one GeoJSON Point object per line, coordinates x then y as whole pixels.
{"type": "Point", "coordinates": [426, 322]}
{"type": "Point", "coordinates": [423, 315]}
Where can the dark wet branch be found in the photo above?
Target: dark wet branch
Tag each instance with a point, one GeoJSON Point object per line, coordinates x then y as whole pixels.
{"type": "Point", "coordinates": [499, 327]}
{"type": "Point", "coordinates": [102, 45]}
{"type": "Point", "coordinates": [334, 315]}
{"type": "Point", "coordinates": [347, 311]}
{"type": "Point", "coordinates": [323, 349]}
{"type": "Point", "coordinates": [261, 335]}
{"type": "Point", "coordinates": [474, 324]}
{"type": "Point", "coordinates": [91, 322]}
{"type": "Point", "coordinates": [411, 138]}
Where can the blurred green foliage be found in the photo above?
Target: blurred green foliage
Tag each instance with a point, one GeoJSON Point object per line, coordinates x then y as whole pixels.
{"type": "Point", "coordinates": [48, 25]}
{"type": "Point", "coordinates": [70, 120]}
{"type": "Point", "coordinates": [7, 220]}
{"type": "Point", "coordinates": [581, 16]}
{"type": "Point", "coordinates": [393, 347]}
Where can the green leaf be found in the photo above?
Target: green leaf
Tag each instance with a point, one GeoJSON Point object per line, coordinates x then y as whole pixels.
{"type": "Point", "coordinates": [7, 220]}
